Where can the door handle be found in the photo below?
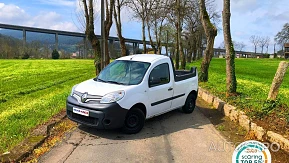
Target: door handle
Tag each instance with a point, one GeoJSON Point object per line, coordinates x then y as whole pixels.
{"type": "Point", "coordinates": [170, 89]}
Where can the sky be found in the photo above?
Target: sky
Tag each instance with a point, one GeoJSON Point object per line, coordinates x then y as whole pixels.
{"type": "Point", "coordinates": [248, 17]}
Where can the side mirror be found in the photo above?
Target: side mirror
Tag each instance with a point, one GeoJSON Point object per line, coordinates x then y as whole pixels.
{"type": "Point", "coordinates": [154, 81]}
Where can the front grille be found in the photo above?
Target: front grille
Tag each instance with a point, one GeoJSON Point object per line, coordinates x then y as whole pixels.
{"type": "Point", "coordinates": [83, 119]}
{"type": "Point", "coordinates": [90, 98]}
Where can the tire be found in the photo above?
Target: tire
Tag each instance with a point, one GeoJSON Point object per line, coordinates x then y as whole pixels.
{"type": "Point", "coordinates": [134, 121]}
{"type": "Point", "coordinates": [190, 104]}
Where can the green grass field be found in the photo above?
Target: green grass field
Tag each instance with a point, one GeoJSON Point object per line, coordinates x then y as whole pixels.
{"type": "Point", "coordinates": [32, 91]}
{"type": "Point", "coordinates": [254, 77]}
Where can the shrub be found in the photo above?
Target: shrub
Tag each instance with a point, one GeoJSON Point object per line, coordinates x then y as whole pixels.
{"type": "Point", "coordinates": [266, 55]}
{"type": "Point", "coordinates": [55, 54]}
{"type": "Point", "coordinates": [25, 56]}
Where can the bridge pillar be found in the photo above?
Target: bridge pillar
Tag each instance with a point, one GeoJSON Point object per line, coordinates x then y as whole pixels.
{"type": "Point", "coordinates": [111, 42]}
{"type": "Point", "coordinates": [56, 41]}
{"type": "Point", "coordinates": [84, 48]}
{"type": "Point", "coordinates": [24, 37]}
{"type": "Point", "coordinates": [134, 48]}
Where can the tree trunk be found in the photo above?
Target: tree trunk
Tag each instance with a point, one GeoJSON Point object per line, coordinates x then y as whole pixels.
{"type": "Point", "coordinates": [122, 46]}
{"type": "Point", "coordinates": [211, 33]}
{"type": "Point", "coordinates": [108, 24]}
{"type": "Point", "coordinates": [277, 81]}
{"type": "Point", "coordinates": [89, 32]}
{"type": "Point", "coordinates": [194, 50]}
{"type": "Point", "coordinates": [200, 47]}
{"type": "Point", "coordinates": [167, 42]}
{"type": "Point", "coordinates": [194, 54]}
{"type": "Point", "coordinates": [158, 37]}
{"type": "Point", "coordinates": [189, 51]}
{"type": "Point", "coordinates": [177, 58]}
{"type": "Point", "coordinates": [179, 31]}
{"type": "Point", "coordinates": [107, 57]}
{"type": "Point", "coordinates": [144, 37]}
{"type": "Point", "coordinates": [149, 33]}
{"type": "Point", "coordinates": [118, 28]}
{"type": "Point", "coordinates": [231, 82]}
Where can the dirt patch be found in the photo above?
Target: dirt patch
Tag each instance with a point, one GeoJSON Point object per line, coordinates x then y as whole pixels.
{"type": "Point", "coordinates": [275, 121]}
{"type": "Point", "coordinates": [36, 137]}
{"type": "Point", "coordinates": [56, 135]}
{"type": "Point", "coordinates": [233, 132]}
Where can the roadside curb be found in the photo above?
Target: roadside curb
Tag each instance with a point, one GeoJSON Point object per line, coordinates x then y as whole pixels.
{"type": "Point", "coordinates": [243, 120]}
{"type": "Point", "coordinates": [33, 141]}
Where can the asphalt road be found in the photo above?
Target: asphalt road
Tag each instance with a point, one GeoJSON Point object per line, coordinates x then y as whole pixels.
{"type": "Point", "coordinates": [172, 137]}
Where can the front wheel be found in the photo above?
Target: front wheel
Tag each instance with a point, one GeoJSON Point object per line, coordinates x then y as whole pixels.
{"type": "Point", "coordinates": [190, 104]}
{"type": "Point", "coordinates": [134, 121]}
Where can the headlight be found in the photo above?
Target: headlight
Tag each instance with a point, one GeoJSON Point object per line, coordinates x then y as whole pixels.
{"type": "Point", "coordinates": [72, 90]}
{"type": "Point", "coordinates": [112, 97]}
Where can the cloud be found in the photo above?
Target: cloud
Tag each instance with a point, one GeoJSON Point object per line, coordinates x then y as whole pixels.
{"type": "Point", "coordinates": [68, 3]}
{"type": "Point", "coordinates": [12, 14]}
{"type": "Point", "coordinates": [244, 6]}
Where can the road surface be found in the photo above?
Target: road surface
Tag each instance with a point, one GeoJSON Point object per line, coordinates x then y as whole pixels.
{"type": "Point", "coordinates": [172, 137]}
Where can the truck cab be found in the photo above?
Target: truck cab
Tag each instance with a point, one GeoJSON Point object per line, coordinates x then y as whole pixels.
{"type": "Point", "coordinates": [130, 90]}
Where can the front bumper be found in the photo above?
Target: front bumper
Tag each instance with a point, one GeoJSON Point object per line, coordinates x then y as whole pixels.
{"type": "Point", "coordinates": [101, 116]}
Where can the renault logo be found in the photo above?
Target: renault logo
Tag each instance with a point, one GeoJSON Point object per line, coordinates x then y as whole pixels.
{"type": "Point", "coordinates": [84, 97]}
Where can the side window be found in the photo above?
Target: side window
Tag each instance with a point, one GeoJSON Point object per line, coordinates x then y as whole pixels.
{"type": "Point", "coordinates": [159, 75]}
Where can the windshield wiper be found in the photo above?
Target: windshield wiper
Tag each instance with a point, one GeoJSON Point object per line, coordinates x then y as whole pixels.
{"type": "Point", "coordinates": [97, 79]}
{"type": "Point", "coordinates": [115, 82]}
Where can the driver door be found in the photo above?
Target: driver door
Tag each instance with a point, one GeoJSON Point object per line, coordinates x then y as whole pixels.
{"type": "Point", "coordinates": [160, 89]}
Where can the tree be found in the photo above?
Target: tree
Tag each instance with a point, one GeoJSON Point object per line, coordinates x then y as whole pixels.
{"type": "Point", "coordinates": [107, 25]}
{"type": "Point", "coordinates": [222, 45]}
{"type": "Point", "coordinates": [55, 54]}
{"type": "Point", "coordinates": [255, 40]}
{"type": "Point", "coordinates": [267, 44]}
{"type": "Point", "coordinates": [89, 32]}
{"type": "Point", "coordinates": [283, 36]}
{"type": "Point", "coordinates": [158, 18]}
{"type": "Point", "coordinates": [151, 15]}
{"type": "Point", "coordinates": [264, 42]}
{"type": "Point", "coordinates": [211, 33]}
{"type": "Point", "coordinates": [117, 8]}
{"type": "Point", "coordinates": [139, 8]}
{"type": "Point", "coordinates": [238, 45]}
{"type": "Point", "coordinates": [168, 37]}
{"type": "Point", "coordinates": [231, 82]}
{"type": "Point", "coordinates": [192, 30]}
{"type": "Point", "coordinates": [179, 32]}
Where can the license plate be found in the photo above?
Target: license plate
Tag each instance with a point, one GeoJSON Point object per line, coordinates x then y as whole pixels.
{"type": "Point", "coordinates": [81, 112]}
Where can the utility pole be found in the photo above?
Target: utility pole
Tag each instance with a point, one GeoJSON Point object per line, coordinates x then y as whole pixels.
{"type": "Point", "coordinates": [102, 35]}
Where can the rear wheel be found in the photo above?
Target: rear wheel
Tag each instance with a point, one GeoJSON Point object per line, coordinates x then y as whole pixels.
{"type": "Point", "coordinates": [190, 104]}
{"type": "Point", "coordinates": [134, 121]}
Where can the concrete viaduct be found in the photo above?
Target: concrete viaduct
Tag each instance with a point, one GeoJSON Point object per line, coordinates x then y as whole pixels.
{"type": "Point", "coordinates": [56, 33]}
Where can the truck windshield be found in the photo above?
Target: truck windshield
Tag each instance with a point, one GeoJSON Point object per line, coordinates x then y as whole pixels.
{"type": "Point", "coordinates": [123, 72]}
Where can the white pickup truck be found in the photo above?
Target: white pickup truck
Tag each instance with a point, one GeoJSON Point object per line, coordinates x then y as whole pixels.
{"type": "Point", "coordinates": [130, 90]}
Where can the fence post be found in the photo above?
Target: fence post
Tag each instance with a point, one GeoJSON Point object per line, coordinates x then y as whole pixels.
{"type": "Point", "coordinates": [277, 81]}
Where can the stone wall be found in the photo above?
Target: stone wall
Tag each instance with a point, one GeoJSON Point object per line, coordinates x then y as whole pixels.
{"type": "Point", "coordinates": [240, 117]}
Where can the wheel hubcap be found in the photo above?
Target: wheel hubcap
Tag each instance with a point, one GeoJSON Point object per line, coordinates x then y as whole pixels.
{"type": "Point", "coordinates": [191, 104]}
{"type": "Point", "coordinates": [132, 121]}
